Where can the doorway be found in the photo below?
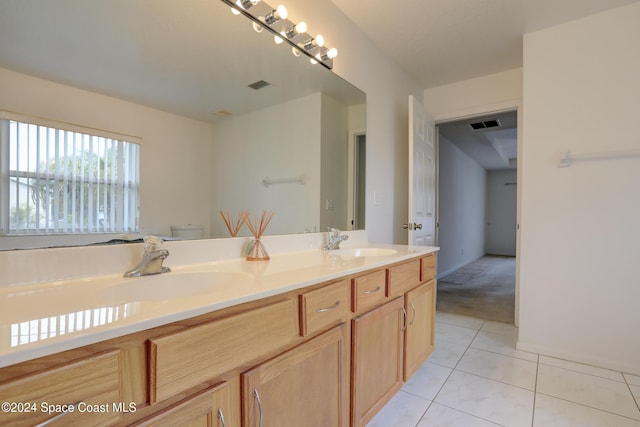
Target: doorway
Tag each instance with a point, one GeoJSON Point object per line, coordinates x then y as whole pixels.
{"type": "Point", "coordinates": [477, 216]}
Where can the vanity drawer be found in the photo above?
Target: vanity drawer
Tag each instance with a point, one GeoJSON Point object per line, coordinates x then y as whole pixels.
{"type": "Point", "coordinates": [368, 290]}
{"type": "Point", "coordinates": [428, 266]}
{"type": "Point", "coordinates": [94, 381]}
{"type": "Point", "coordinates": [323, 307]}
{"type": "Point", "coordinates": [403, 278]}
{"type": "Point", "coordinates": [187, 358]}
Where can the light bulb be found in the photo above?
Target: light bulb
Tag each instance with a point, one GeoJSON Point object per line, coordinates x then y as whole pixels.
{"type": "Point", "coordinates": [257, 27]}
{"type": "Point", "coordinates": [320, 40]}
{"type": "Point", "coordinates": [313, 61]}
{"type": "Point", "coordinates": [235, 11]}
{"type": "Point", "coordinates": [277, 39]}
{"type": "Point", "coordinates": [282, 12]}
{"type": "Point", "coordinates": [301, 27]}
{"type": "Point", "coordinates": [332, 53]}
{"type": "Point", "coordinates": [295, 51]}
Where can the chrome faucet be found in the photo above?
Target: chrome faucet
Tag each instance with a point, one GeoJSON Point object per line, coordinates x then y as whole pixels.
{"type": "Point", "coordinates": [151, 259]}
{"type": "Point", "coordinates": [334, 238]}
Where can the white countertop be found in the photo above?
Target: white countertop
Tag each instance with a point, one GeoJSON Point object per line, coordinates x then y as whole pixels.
{"type": "Point", "coordinates": [40, 319]}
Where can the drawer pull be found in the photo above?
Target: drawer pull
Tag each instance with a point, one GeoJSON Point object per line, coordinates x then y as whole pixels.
{"type": "Point", "coordinates": [71, 408]}
{"type": "Point", "coordinates": [372, 291]}
{"type": "Point", "coordinates": [413, 318]}
{"type": "Point", "coordinates": [257, 396]}
{"type": "Point", "coordinates": [333, 307]}
{"type": "Point", "coordinates": [221, 417]}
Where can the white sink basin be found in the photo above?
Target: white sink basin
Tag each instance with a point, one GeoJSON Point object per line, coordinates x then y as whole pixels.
{"type": "Point", "coordinates": [166, 286]}
{"type": "Point", "coordinates": [364, 252]}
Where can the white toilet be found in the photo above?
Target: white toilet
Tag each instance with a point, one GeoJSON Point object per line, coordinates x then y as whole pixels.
{"type": "Point", "coordinates": [188, 231]}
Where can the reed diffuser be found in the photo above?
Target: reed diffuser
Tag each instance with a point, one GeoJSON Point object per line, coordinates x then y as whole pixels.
{"type": "Point", "coordinates": [255, 250]}
{"type": "Point", "coordinates": [234, 228]}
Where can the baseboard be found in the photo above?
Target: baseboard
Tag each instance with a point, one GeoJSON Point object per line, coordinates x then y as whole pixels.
{"type": "Point", "coordinates": [579, 358]}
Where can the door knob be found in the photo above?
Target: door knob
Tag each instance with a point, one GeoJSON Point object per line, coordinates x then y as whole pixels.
{"type": "Point", "coordinates": [412, 226]}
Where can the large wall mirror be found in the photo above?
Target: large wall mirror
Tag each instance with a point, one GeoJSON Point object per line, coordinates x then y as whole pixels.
{"type": "Point", "coordinates": [178, 75]}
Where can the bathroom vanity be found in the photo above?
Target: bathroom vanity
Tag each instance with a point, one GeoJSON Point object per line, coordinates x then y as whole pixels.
{"type": "Point", "coordinates": [312, 335]}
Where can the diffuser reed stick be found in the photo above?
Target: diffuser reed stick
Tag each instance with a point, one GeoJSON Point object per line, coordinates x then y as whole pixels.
{"type": "Point", "coordinates": [258, 228]}
{"type": "Point", "coordinates": [228, 221]}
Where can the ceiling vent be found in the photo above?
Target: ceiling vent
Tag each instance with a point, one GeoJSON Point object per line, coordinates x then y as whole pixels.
{"type": "Point", "coordinates": [259, 84]}
{"type": "Point", "coordinates": [487, 124]}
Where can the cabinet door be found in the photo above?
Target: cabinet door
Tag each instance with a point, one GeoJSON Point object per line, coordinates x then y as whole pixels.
{"type": "Point", "coordinates": [377, 358]}
{"type": "Point", "coordinates": [420, 306]}
{"type": "Point", "coordinates": [305, 386]}
{"type": "Point", "coordinates": [215, 407]}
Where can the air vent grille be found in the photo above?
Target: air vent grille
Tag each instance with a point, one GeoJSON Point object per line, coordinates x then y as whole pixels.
{"type": "Point", "coordinates": [487, 124]}
{"type": "Point", "coordinates": [259, 84]}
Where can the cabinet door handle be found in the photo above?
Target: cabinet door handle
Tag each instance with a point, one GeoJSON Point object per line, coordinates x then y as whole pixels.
{"type": "Point", "coordinates": [404, 319]}
{"type": "Point", "coordinates": [372, 291]}
{"type": "Point", "coordinates": [333, 307]}
{"type": "Point", "coordinates": [71, 408]}
{"type": "Point", "coordinates": [221, 417]}
{"type": "Point", "coordinates": [257, 396]}
{"type": "Point", "coordinates": [413, 318]}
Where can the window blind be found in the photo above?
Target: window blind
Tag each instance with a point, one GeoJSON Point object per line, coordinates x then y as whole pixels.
{"type": "Point", "coordinates": [69, 181]}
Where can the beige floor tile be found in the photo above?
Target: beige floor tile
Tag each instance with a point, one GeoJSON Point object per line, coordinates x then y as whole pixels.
{"type": "Point", "coordinates": [441, 416]}
{"type": "Point", "coordinates": [454, 334]}
{"type": "Point", "coordinates": [596, 392]}
{"type": "Point", "coordinates": [581, 367]}
{"type": "Point", "coordinates": [632, 379]}
{"type": "Point", "coordinates": [506, 369]}
{"type": "Point", "coordinates": [487, 399]}
{"type": "Point", "coordinates": [501, 343]}
{"type": "Point", "coordinates": [447, 354]}
{"type": "Point", "coordinates": [459, 320]}
{"type": "Point", "coordinates": [550, 411]}
{"type": "Point", "coordinates": [403, 410]}
{"type": "Point", "coordinates": [427, 380]}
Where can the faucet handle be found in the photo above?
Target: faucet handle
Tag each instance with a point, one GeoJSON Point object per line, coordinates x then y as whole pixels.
{"type": "Point", "coordinates": [335, 232]}
{"type": "Point", "coordinates": [151, 243]}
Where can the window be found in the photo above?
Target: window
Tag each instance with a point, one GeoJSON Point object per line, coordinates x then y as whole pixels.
{"type": "Point", "coordinates": [65, 179]}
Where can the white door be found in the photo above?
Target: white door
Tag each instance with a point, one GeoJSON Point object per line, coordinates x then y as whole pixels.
{"type": "Point", "coordinates": [422, 176]}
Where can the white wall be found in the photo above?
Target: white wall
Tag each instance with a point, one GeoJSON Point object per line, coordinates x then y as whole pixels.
{"type": "Point", "coordinates": [170, 143]}
{"type": "Point", "coordinates": [501, 212]}
{"type": "Point", "coordinates": [462, 206]}
{"type": "Point", "coordinates": [580, 229]}
{"type": "Point", "coordinates": [387, 88]}
{"type": "Point", "coordinates": [494, 92]}
{"type": "Point", "coordinates": [334, 160]}
{"type": "Point", "coordinates": [249, 148]}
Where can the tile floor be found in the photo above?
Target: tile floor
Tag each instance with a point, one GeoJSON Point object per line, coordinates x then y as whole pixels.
{"type": "Point", "coordinates": [476, 378]}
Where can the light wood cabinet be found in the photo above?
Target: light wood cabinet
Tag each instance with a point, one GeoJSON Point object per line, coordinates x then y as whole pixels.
{"type": "Point", "coordinates": [217, 406]}
{"type": "Point", "coordinates": [323, 307]}
{"type": "Point", "coordinates": [305, 386]}
{"type": "Point", "coordinates": [377, 359]}
{"type": "Point", "coordinates": [403, 277]}
{"type": "Point", "coordinates": [419, 339]}
{"type": "Point", "coordinates": [187, 358]}
{"type": "Point", "coordinates": [91, 383]}
{"type": "Point", "coordinates": [332, 354]}
{"type": "Point", "coordinates": [368, 290]}
{"type": "Point", "coordinates": [428, 266]}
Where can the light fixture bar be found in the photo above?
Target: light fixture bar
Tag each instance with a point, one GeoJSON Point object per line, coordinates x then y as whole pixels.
{"type": "Point", "coordinates": [275, 21]}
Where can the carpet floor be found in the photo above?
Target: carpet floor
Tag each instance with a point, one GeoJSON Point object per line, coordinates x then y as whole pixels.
{"type": "Point", "coordinates": [483, 289]}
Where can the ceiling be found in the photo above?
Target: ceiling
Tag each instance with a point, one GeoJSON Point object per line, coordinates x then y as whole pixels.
{"type": "Point", "coordinates": [444, 41]}
{"type": "Point", "coordinates": [437, 42]}
{"type": "Point", "coordinates": [494, 148]}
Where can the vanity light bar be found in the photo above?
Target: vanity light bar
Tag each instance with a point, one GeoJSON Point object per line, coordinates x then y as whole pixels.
{"type": "Point", "coordinates": [275, 21]}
